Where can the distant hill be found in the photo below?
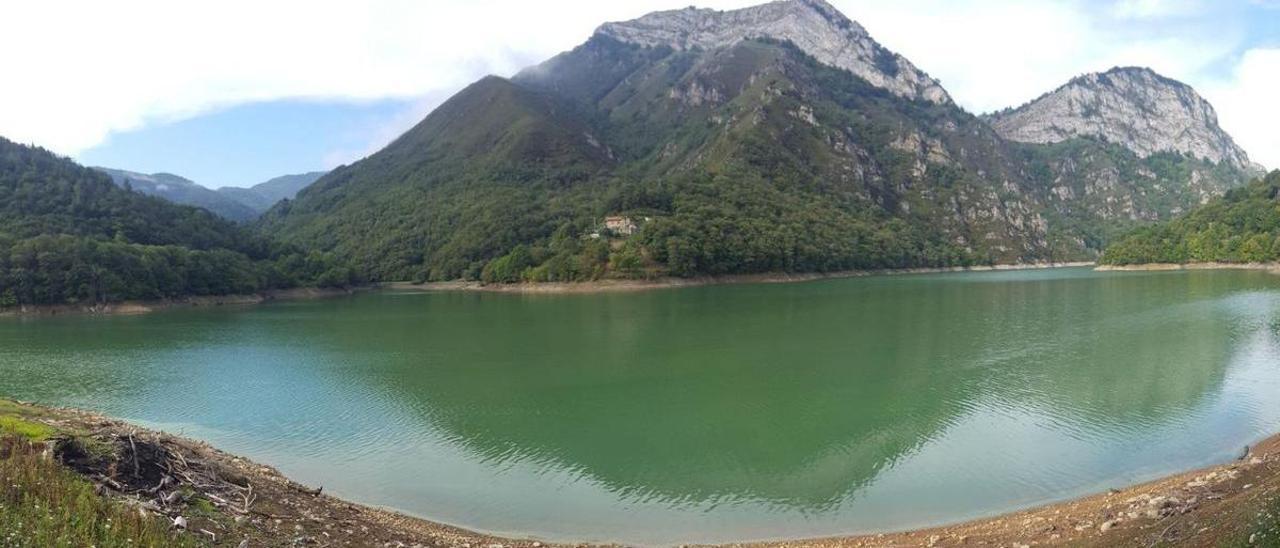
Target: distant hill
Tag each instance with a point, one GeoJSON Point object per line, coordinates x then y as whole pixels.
{"type": "Point", "coordinates": [262, 196]}
{"type": "Point", "coordinates": [182, 191]}
{"type": "Point", "coordinates": [1241, 227]}
{"type": "Point", "coordinates": [780, 137]}
{"type": "Point", "coordinates": [68, 234]}
{"type": "Point", "coordinates": [234, 203]}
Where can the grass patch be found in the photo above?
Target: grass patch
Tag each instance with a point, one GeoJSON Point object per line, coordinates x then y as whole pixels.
{"type": "Point", "coordinates": [44, 504]}
{"type": "Point", "coordinates": [8, 407]}
{"type": "Point", "coordinates": [201, 506]}
{"type": "Point", "coordinates": [33, 431]}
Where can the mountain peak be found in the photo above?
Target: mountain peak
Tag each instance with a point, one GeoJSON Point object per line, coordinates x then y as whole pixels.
{"type": "Point", "coordinates": [815, 26]}
{"type": "Point", "coordinates": [1135, 107]}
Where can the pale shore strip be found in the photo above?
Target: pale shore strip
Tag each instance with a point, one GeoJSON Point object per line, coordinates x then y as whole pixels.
{"type": "Point", "coordinates": [626, 285]}
{"type": "Point", "coordinates": [1161, 267]}
{"type": "Point", "coordinates": [143, 307]}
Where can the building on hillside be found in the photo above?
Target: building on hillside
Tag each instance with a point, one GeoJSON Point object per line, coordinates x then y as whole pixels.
{"type": "Point", "coordinates": [622, 226]}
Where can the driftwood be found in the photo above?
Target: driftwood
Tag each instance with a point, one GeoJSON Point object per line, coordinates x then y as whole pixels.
{"type": "Point", "coordinates": [163, 473]}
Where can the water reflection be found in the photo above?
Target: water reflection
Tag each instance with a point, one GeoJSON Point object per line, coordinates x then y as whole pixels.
{"type": "Point", "coordinates": [706, 414]}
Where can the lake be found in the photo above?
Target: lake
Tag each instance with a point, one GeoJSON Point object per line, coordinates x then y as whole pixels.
{"type": "Point", "coordinates": [702, 414]}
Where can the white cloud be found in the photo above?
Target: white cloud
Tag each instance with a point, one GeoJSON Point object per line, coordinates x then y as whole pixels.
{"type": "Point", "coordinates": [1247, 106]}
{"type": "Point", "coordinates": [1147, 9]}
{"type": "Point", "coordinates": [991, 54]}
{"type": "Point", "coordinates": [79, 70]}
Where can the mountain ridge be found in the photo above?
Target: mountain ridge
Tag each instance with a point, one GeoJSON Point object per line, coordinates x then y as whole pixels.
{"type": "Point", "coordinates": [815, 26]}
{"type": "Point", "coordinates": [180, 190]}
{"type": "Point", "coordinates": [233, 203]}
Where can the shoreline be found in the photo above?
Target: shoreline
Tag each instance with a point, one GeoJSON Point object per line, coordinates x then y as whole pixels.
{"type": "Point", "coordinates": [628, 285]}
{"type": "Point", "coordinates": [1170, 267]}
{"type": "Point", "coordinates": [1201, 507]}
{"type": "Point", "coordinates": [125, 308]}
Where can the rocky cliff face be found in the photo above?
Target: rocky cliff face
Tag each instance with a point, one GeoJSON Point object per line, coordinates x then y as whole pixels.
{"type": "Point", "coordinates": [814, 26]}
{"type": "Point", "coordinates": [1132, 107]}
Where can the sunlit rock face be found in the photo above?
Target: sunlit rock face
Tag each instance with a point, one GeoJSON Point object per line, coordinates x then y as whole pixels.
{"type": "Point", "coordinates": [1133, 107]}
{"type": "Point", "coordinates": [814, 26]}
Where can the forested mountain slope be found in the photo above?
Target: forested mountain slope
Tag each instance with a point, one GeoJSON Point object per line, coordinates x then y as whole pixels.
{"type": "Point", "coordinates": [70, 235]}
{"type": "Point", "coordinates": [775, 138]}
{"type": "Point", "coordinates": [262, 196]}
{"type": "Point", "coordinates": [1241, 227]}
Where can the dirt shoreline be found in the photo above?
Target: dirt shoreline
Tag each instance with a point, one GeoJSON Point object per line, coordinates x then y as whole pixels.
{"type": "Point", "coordinates": [622, 286]}
{"type": "Point", "coordinates": [1204, 507]}
{"type": "Point", "coordinates": [1161, 267]}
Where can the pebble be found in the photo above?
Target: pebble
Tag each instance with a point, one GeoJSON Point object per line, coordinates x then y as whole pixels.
{"type": "Point", "coordinates": [1107, 526]}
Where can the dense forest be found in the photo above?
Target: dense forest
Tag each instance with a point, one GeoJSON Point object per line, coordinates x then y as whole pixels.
{"type": "Point", "coordinates": [68, 235]}
{"type": "Point", "coordinates": [1241, 227]}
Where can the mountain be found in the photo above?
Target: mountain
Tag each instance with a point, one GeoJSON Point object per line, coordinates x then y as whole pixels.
{"type": "Point", "coordinates": [181, 191]}
{"type": "Point", "coordinates": [262, 196]}
{"type": "Point", "coordinates": [1241, 227]}
{"type": "Point", "coordinates": [814, 26]}
{"type": "Point", "coordinates": [233, 203]}
{"type": "Point", "coordinates": [69, 235]}
{"type": "Point", "coordinates": [1130, 106]}
{"type": "Point", "coordinates": [775, 138]}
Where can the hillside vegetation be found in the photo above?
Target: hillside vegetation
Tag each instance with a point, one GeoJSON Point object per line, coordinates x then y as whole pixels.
{"type": "Point", "coordinates": [1243, 226]}
{"type": "Point", "coordinates": [68, 235]}
{"type": "Point", "coordinates": [751, 158]}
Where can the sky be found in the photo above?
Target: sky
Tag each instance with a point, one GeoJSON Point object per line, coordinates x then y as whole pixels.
{"type": "Point", "coordinates": [237, 91]}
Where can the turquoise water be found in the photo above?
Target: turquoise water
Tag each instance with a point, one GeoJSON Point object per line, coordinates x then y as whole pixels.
{"type": "Point", "coordinates": [701, 414]}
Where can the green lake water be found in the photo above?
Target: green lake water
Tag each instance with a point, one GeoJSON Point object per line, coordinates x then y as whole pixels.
{"type": "Point", "coordinates": [702, 414]}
